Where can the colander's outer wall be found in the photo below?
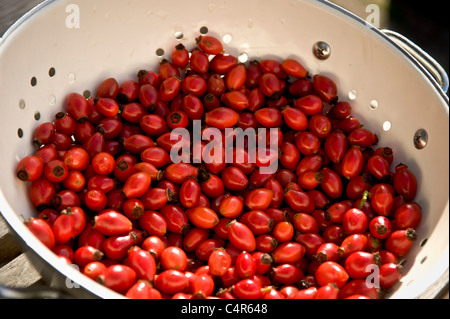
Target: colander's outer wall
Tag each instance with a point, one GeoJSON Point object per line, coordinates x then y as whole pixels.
{"type": "Point", "coordinates": [85, 41]}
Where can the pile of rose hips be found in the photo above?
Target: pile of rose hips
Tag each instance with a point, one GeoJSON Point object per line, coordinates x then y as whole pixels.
{"type": "Point", "coordinates": [334, 220]}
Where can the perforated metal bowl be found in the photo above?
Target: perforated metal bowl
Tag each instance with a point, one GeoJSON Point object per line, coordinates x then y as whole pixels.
{"type": "Point", "coordinates": [71, 46]}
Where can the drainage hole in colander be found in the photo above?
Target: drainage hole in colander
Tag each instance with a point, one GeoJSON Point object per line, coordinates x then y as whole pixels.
{"type": "Point", "coordinates": [227, 38]}
{"type": "Point", "coordinates": [352, 95]}
{"type": "Point", "coordinates": [51, 99]}
{"type": "Point", "coordinates": [21, 104]}
{"type": "Point", "coordinates": [423, 259]}
{"type": "Point", "coordinates": [20, 133]}
{"type": "Point", "coordinates": [160, 52]}
{"type": "Point", "coordinates": [179, 35]}
{"type": "Point", "coordinates": [87, 94]}
{"type": "Point", "coordinates": [387, 126]}
{"type": "Point", "coordinates": [373, 105]}
{"type": "Point", "coordinates": [204, 30]}
{"type": "Point", "coordinates": [37, 116]}
{"type": "Point", "coordinates": [243, 57]}
{"type": "Point", "coordinates": [33, 81]}
{"type": "Point", "coordinates": [423, 242]}
{"type": "Point", "coordinates": [51, 72]}
{"type": "Point", "coordinates": [72, 77]}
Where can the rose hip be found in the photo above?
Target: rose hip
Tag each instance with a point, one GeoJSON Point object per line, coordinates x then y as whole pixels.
{"type": "Point", "coordinates": [113, 197]}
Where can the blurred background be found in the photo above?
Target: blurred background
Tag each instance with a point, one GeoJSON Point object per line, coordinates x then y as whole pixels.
{"type": "Point", "coordinates": [423, 22]}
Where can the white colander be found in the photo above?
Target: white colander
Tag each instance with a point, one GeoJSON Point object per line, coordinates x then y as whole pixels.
{"type": "Point", "coordinates": [72, 45]}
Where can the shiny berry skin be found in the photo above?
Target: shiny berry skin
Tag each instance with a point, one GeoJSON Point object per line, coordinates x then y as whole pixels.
{"type": "Point", "coordinates": [258, 221]}
{"type": "Point", "coordinates": [42, 230]}
{"type": "Point", "coordinates": [258, 199]}
{"type": "Point", "coordinates": [308, 293]}
{"type": "Point", "coordinates": [64, 228]}
{"type": "Point", "coordinates": [378, 167]}
{"type": "Point", "coordinates": [245, 265]}
{"type": "Point", "coordinates": [295, 118]}
{"type": "Point", "coordinates": [231, 207]}
{"type": "Point", "coordinates": [390, 274]}
{"type": "Point", "coordinates": [358, 289]}
{"type": "Point", "coordinates": [133, 208]}
{"type": "Point", "coordinates": [355, 221]}
{"type": "Point", "coordinates": [273, 66]}
{"type": "Point", "coordinates": [400, 241]}
{"type": "Point", "coordinates": [56, 170]}
{"type": "Point", "coordinates": [169, 89]}
{"type": "Point", "coordinates": [269, 117]}
{"type": "Point", "coordinates": [331, 183]}
{"type": "Point", "coordinates": [179, 172]}
{"type": "Point", "coordinates": [283, 231]}
{"type": "Point", "coordinates": [180, 56]}
{"type": "Point", "coordinates": [76, 158]}
{"type": "Point", "coordinates": [30, 168]}
{"type": "Point", "coordinates": [173, 258]}
{"type": "Point", "coordinates": [87, 254]}
{"type": "Point", "coordinates": [202, 286]}
{"type": "Point", "coordinates": [47, 153]}
{"type": "Point", "coordinates": [43, 134]}
{"type": "Point", "coordinates": [329, 291]}
{"type": "Point", "coordinates": [143, 289]}
{"type": "Point", "coordinates": [360, 264]}
{"type": "Point", "coordinates": [136, 185]}
{"type": "Point", "coordinates": [380, 227]}
{"type": "Point", "coordinates": [288, 252]}
{"type": "Point", "coordinates": [94, 269]}
{"type": "Point", "coordinates": [234, 179]}
{"type": "Point", "coordinates": [247, 289]}
{"type": "Point", "coordinates": [320, 126]}
{"type": "Point", "coordinates": [153, 223]}
{"type": "Point", "coordinates": [352, 162]}
{"type": "Point", "coordinates": [325, 88]}
{"type": "Point", "coordinates": [219, 262]}
{"type": "Point", "coordinates": [112, 223]}
{"type": "Point", "coordinates": [77, 107]}
{"type": "Point", "coordinates": [408, 215]}
{"type": "Point", "coordinates": [352, 243]}
{"type": "Point", "coordinates": [328, 252]}
{"type": "Point", "coordinates": [362, 137]}
{"type": "Point", "coordinates": [170, 281]}
{"type": "Point", "coordinates": [202, 217]}
{"type": "Point", "coordinates": [107, 107]}
{"type": "Point", "coordinates": [124, 167]}
{"type": "Point", "coordinates": [119, 278]}
{"type": "Point", "coordinates": [298, 200]}
{"type": "Point", "coordinates": [222, 117]}
{"type": "Point", "coordinates": [293, 68]}
{"type": "Point", "coordinates": [95, 200]}
{"type": "Point", "coordinates": [103, 163]}
{"type": "Point", "coordinates": [209, 44]}
{"type": "Point", "coordinates": [189, 193]}
{"type": "Point", "coordinates": [286, 274]}
{"type": "Point", "coordinates": [241, 236]}
{"type": "Point", "coordinates": [236, 77]}
{"type": "Point", "coordinates": [199, 61]}
{"type": "Point", "coordinates": [405, 182]}
{"type": "Point", "coordinates": [177, 119]}
{"type": "Point", "coordinates": [270, 85]}
{"type": "Point", "coordinates": [109, 88]}
{"type": "Point", "coordinates": [309, 104]}
{"type": "Point", "coordinates": [331, 272]}
{"type": "Point", "coordinates": [336, 145]}
{"type": "Point", "coordinates": [154, 245]}
{"type": "Point", "coordinates": [153, 124]}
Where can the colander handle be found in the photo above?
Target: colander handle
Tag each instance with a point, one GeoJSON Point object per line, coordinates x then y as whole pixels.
{"type": "Point", "coordinates": [430, 64]}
